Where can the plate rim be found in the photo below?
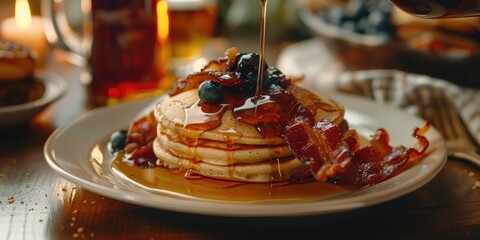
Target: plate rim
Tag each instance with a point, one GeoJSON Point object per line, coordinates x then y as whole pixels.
{"type": "Point", "coordinates": [55, 87]}
{"type": "Point", "coordinates": [222, 208]}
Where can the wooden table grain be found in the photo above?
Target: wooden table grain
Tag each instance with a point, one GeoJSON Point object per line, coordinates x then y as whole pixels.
{"type": "Point", "coordinates": [37, 203]}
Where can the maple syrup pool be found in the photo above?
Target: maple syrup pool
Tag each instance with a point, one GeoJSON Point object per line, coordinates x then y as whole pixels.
{"type": "Point", "coordinates": [172, 182]}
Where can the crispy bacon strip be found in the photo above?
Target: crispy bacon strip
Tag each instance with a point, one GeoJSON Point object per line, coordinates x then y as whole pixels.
{"type": "Point", "coordinates": [419, 134]}
{"type": "Point", "coordinates": [322, 148]}
{"type": "Point", "coordinates": [140, 136]}
{"type": "Point", "coordinates": [216, 70]}
{"type": "Point", "coordinates": [329, 155]}
{"type": "Point", "coordinates": [375, 163]}
{"type": "Point", "coordinates": [194, 80]}
{"type": "Point", "coordinates": [380, 161]}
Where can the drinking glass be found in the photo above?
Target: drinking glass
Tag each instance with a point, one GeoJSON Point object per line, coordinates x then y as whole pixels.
{"type": "Point", "coordinates": [124, 42]}
{"type": "Point", "coordinates": [192, 24]}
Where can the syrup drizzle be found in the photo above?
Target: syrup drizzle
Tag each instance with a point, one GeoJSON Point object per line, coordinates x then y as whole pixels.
{"type": "Point", "coordinates": [188, 183]}
{"type": "Point", "coordinates": [203, 117]}
{"type": "Point", "coordinates": [263, 26]}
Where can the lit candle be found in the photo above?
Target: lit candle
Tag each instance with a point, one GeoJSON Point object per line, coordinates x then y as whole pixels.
{"type": "Point", "coordinates": [25, 29]}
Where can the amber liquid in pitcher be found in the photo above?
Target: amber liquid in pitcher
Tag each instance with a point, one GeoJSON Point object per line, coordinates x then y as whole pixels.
{"type": "Point", "coordinates": [129, 54]}
{"type": "Point", "coordinates": [440, 8]}
{"type": "Point", "coordinates": [192, 24]}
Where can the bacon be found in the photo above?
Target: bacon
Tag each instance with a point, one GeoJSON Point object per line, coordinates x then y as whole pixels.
{"type": "Point", "coordinates": [144, 156]}
{"type": "Point", "coordinates": [352, 139]}
{"type": "Point", "coordinates": [370, 166]}
{"type": "Point", "coordinates": [380, 161]}
{"type": "Point", "coordinates": [322, 149]}
{"type": "Point", "coordinates": [223, 64]}
{"type": "Point", "coordinates": [140, 136]}
{"type": "Point", "coordinates": [329, 155]}
{"type": "Point", "coordinates": [423, 143]}
{"type": "Point", "coordinates": [193, 81]}
{"type": "Point", "coordinates": [216, 70]}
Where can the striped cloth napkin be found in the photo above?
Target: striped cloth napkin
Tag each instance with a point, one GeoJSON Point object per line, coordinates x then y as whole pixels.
{"type": "Point", "coordinates": [421, 95]}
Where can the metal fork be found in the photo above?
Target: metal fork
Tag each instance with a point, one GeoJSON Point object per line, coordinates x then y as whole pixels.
{"type": "Point", "coordinates": [446, 119]}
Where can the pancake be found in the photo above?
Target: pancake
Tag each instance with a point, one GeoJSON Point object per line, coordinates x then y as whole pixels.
{"type": "Point", "coordinates": [233, 150]}
{"type": "Point", "coordinates": [274, 170]}
{"type": "Point", "coordinates": [171, 114]}
{"type": "Point", "coordinates": [220, 153]}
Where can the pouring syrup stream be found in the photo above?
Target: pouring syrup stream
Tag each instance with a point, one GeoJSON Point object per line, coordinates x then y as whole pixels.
{"type": "Point", "coordinates": [263, 26]}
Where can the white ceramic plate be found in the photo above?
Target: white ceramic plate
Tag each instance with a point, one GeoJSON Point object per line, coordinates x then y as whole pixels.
{"type": "Point", "coordinates": [55, 87]}
{"type": "Point", "coordinates": [67, 151]}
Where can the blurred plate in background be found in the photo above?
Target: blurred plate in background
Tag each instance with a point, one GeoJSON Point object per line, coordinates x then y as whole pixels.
{"type": "Point", "coordinates": [55, 87]}
{"type": "Point", "coordinates": [447, 48]}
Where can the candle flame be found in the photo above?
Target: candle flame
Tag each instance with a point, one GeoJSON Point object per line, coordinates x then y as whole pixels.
{"type": "Point", "coordinates": [23, 17]}
{"type": "Point", "coordinates": [162, 20]}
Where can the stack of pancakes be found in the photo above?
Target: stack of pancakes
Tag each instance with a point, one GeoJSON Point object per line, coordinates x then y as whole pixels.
{"type": "Point", "coordinates": [233, 150]}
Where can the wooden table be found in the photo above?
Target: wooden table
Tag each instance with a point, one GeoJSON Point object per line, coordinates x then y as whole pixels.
{"type": "Point", "coordinates": [37, 203]}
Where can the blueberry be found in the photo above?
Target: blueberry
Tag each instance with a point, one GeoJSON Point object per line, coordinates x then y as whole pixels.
{"type": "Point", "coordinates": [336, 16]}
{"type": "Point", "coordinates": [363, 26]}
{"type": "Point", "coordinates": [379, 22]}
{"type": "Point", "coordinates": [211, 92]}
{"type": "Point", "coordinates": [357, 9]}
{"type": "Point", "coordinates": [118, 140]}
{"type": "Point", "coordinates": [247, 63]}
{"type": "Point", "coordinates": [250, 82]}
{"type": "Point", "coordinates": [350, 25]}
{"type": "Point", "coordinates": [385, 6]}
{"type": "Point", "coordinates": [363, 16]}
{"type": "Point", "coordinates": [247, 70]}
{"type": "Point", "coordinates": [275, 76]}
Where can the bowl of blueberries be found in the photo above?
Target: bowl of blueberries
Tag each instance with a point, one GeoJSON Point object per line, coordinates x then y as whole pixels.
{"type": "Point", "coordinates": [374, 34]}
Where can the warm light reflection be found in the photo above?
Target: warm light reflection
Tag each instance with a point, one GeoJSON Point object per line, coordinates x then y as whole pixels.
{"type": "Point", "coordinates": [86, 6]}
{"type": "Point", "coordinates": [199, 63]}
{"type": "Point", "coordinates": [64, 190]}
{"type": "Point", "coordinates": [97, 155]}
{"type": "Point", "coordinates": [162, 20]}
{"type": "Point", "coordinates": [23, 17]}
{"type": "Point", "coordinates": [96, 159]}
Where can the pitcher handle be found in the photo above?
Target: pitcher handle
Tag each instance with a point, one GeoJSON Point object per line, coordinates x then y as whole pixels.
{"type": "Point", "coordinates": [57, 28]}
